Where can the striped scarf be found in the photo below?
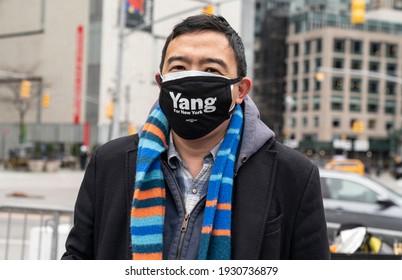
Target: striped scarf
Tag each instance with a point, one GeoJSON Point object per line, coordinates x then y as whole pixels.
{"type": "Point", "coordinates": [148, 207]}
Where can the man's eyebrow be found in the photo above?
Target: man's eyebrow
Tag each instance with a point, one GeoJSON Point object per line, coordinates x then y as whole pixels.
{"type": "Point", "coordinates": [177, 58]}
{"type": "Point", "coordinates": [203, 61]}
{"type": "Point", "coordinates": [217, 61]}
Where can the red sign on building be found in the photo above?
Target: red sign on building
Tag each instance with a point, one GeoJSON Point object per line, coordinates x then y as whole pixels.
{"type": "Point", "coordinates": [79, 54]}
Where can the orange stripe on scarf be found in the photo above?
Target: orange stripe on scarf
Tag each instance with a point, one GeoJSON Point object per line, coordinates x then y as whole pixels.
{"type": "Point", "coordinates": [155, 130]}
{"type": "Point", "coordinates": [224, 206]}
{"type": "Point", "coordinates": [147, 256]}
{"type": "Point", "coordinates": [152, 193]}
{"type": "Point", "coordinates": [206, 229]}
{"type": "Point", "coordinates": [221, 232]}
{"type": "Point", "coordinates": [211, 203]}
{"type": "Point", "coordinates": [149, 211]}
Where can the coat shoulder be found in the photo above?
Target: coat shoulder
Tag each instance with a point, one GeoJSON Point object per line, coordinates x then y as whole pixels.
{"type": "Point", "coordinates": [116, 148]}
{"type": "Point", "coordinates": [290, 156]}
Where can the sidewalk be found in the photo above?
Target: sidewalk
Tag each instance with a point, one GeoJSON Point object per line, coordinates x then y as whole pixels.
{"type": "Point", "coordinates": [58, 188]}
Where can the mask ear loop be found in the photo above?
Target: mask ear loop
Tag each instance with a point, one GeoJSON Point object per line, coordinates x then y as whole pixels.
{"type": "Point", "coordinates": [231, 93]}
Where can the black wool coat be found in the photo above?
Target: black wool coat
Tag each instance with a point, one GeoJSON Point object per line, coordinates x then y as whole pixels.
{"type": "Point", "coordinates": [277, 206]}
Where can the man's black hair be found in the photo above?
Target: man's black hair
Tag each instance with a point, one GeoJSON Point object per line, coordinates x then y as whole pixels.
{"type": "Point", "coordinates": [210, 23]}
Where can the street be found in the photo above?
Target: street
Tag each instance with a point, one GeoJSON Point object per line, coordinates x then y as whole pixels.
{"type": "Point", "coordinates": [61, 188]}
{"type": "Point", "coordinates": [44, 189]}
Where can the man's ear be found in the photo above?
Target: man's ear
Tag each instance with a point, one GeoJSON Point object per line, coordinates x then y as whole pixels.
{"type": "Point", "coordinates": [158, 79]}
{"type": "Point", "coordinates": [244, 88]}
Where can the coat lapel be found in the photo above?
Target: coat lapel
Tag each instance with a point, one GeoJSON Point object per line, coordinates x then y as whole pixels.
{"type": "Point", "coordinates": [251, 202]}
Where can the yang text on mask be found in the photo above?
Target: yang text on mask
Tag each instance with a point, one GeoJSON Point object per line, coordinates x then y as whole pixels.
{"type": "Point", "coordinates": [193, 106]}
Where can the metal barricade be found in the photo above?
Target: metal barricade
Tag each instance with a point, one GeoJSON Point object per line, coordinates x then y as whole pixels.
{"type": "Point", "coordinates": [33, 229]}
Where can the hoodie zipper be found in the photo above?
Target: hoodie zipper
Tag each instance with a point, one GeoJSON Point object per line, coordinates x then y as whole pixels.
{"type": "Point", "coordinates": [183, 231]}
{"type": "Point", "coordinates": [186, 219]}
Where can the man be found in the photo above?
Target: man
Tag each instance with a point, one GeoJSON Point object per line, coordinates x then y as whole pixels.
{"type": "Point", "coordinates": [206, 178]}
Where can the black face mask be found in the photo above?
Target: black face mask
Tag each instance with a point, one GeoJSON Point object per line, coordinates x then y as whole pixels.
{"type": "Point", "coordinates": [195, 103]}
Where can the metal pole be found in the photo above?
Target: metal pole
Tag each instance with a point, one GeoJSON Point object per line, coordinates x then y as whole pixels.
{"type": "Point", "coordinates": [39, 113]}
{"type": "Point", "coordinates": [55, 235]}
{"type": "Point", "coordinates": [116, 99]}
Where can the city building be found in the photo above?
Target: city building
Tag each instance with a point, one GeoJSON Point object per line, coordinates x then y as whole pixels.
{"type": "Point", "coordinates": [271, 27]}
{"type": "Point", "coordinates": [390, 4]}
{"type": "Point", "coordinates": [60, 70]}
{"type": "Point", "coordinates": [344, 84]}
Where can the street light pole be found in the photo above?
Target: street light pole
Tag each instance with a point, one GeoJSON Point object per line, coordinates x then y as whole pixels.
{"type": "Point", "coordinates": [116, 98]}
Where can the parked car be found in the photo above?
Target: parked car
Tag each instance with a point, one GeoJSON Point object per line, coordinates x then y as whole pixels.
{"type": "Point", "coordinates": [352, 198]}
{"type": "Point", "coordinates": [346, 165]}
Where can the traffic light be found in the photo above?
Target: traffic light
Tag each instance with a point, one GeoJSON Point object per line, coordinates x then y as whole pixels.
{"type": "Point", "coordinates": [358, 127]}
{"type": "Point", "coordinates": [25, 89]}
{"type": "Point", "coordinates": [357, 12]}
{"type": "Point", "coordinates": [208, 10]}
{"type": "Point", "coordinates": [131, 129]}
{"type": "Point", "coordinates": [110, 110]}
{"type": "Point", "coordinates": [46, 100]}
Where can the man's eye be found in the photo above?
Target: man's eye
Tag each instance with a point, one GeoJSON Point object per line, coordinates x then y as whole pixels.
{"type": "Point", "coordinates": [211, 70]}
{"type": "Point", "coordinates": [178, 68]}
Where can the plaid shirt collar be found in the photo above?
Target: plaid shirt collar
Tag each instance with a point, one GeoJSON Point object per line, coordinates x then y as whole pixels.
{"type": "Point", "coordinates": [172, 153]}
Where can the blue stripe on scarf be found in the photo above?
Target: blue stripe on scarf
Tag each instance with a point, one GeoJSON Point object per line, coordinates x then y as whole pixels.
{"type": "Point", "coordinates": [149, 221]}
{"type": "Point", "coordinates": [151, 248]}
{"type": "Point", "coordinates": [145, 230]}
{"type": "Point", "coordinates": [149, 202]}
{"type": "Point", "coordinates": [147, 239]}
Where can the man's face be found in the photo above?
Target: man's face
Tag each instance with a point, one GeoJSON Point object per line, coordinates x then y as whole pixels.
{"type": "Point", "coordinates": [207, 51]}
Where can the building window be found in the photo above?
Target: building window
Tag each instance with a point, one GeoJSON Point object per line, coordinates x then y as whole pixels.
{"type": "Point", "coordinates": [371, 124]}
{"type": "Point", "coordinates": [336, 122]}
{"type": "Point", "coordinates": [391, 69]}
{"type": "Point", "coordinates": [305, 85]}
{"type": "Point", "coordinates": [337, 83]}
{"type": "Point", "coordinates": [336, 103]}
{"type": "Point", "coordinates": [372, 105]}
{"type": "Point", "coordinates": [316, 103]}
{"type": "Point", "coordinates": [389, 125]}
{"type": "Point", "coordinates": [389, 107]}
{"type": "Point", "coordinates": [392, 50]}
{"type": "Point", "coordinates": [374, 66]}
{"type": "Point", "coordinates": [356, 47]}
{"type": "Point", "coordinates": [307, 47]}
{"type": "Point", "coordinates": [295, 67]}
{"type": "Point", "coordinates": [305, 104]}
{"type": "Point", "coordinates": [373, 86]}
{"type": "Point", "coordinates": [305, 122]}
{"type": "Point", "coordinates": [390, 88]}
{"type": "Point", "coordinates": [294, 86]}
{"type": "Point", "coordinates": [296, 50]}
{"type": "Point", "coordinates": [339, 45]}
{"type": "Point", "coordinates": [306, 66]}
{"type": "Point", "coordinates": [317, 63]}
{"type": "Point", "coordinates": [293, 122]}
{"type": "Point", "coordinates": [317, 85]}
{"type": "Point", "coordinates": [355, 104]}
{"type": "Point", "coordinates": [316, 121]}
{"type": "Point", "coordinates": [337, 63]}
{"type": "Point", "coordinates": [356, 64]}
{"type": "Point", "coordinates": [375, 49]}
{"type": "Point", "coordinates": [294, 107]}
{"type": "Point", "coordinates": [318, 45]}
{"type": "Point", "coordinates": [355, 85]}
